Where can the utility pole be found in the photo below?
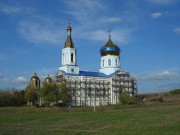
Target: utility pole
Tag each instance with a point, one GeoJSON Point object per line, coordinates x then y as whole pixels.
{"type": "Point", "coordinates": [94, 95]}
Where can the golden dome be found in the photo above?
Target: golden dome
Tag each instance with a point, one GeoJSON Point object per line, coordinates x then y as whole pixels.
{"type": "Point", "coordinates": [60, 73]}
{"type": "Point", "coordinates": [69, 29]}
{"type": "Point", "coordinates": [48, 79]}
{"type": "Point", "coordinates": [35, 77]}
{"type": "Point", "coordinates": [69, 42]}
{"type": "Point", "coordinates": [110, 48]}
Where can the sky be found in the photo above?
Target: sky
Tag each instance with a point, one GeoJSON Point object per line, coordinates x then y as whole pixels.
{"type": "Point", "coordinates": [33, 32]}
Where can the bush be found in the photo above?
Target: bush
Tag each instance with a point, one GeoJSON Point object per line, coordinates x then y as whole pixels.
{"type": "Point", "coordinates": [125, 98]}
{"type": "Point", "coordinates": [156, 99]}
{"type": "Point", "coordinates": [12, 98]}
{"type": "Point", "coordinates": [139, 99]}
{"type": "Point", "coordinates": [160, 99]}
{"type": "Point", "coordinates": [176, 91]}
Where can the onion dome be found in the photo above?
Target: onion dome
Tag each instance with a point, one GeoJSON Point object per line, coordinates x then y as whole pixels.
{"type": "Point", "coordinates": [69, 42]}
{"type": "Point", "coordinates": [60, 73]}
{"type": "Point", "coordinates": [48, 79]}
{"type": "Point", "coordinates": [35, 81]}
{"type": "Point", "coordinates": [110, 48]}
{"type": "Point", "coordinates": [35, 77]}
{"type": "Point", "coordinates": [69, 29]}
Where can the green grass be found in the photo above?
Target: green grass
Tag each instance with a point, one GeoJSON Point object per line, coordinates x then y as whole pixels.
{"type": "Point", "coordinates": [147, 119]}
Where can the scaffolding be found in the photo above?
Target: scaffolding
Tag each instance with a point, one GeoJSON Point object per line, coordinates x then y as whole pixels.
{"type": "Point", "coordinates": [90, 90]}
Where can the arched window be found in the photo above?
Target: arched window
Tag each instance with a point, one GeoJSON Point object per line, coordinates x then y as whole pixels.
{"type": "Point", "coordinates": [116, 62]}
{"type": "Point", "coordinates": [109, 62]}
{"type": "Point", "coordinates": [71, 57]}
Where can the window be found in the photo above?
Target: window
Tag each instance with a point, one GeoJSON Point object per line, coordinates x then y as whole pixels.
{"type": "Point", "coordinates": [116, 62]}
{"type": "Point", "coordinates": [63, 59]}
{"type": "Point", "coordinates": [71, 57]}
{"type": "Point", "coordinates": [109, 62]}
{"type": "Point", "coordinates": [103, 63]}
{"type": "Point", "coordinates": [36, 83]}
{"type": "Point", "coordinates": [72, 70]}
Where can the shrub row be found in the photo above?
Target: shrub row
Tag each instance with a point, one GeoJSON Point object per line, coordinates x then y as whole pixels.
{"type": "Point", "coordinates": [12, 98]}
{"type": "Point", "coordinates": [176, 91]}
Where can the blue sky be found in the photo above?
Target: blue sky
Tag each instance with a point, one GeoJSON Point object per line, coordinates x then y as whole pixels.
{"type": "Point", "coordinates": [33, 32]}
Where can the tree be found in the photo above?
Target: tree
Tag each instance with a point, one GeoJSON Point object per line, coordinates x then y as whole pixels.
{"type": "Point", "coordinates": [31, 95]}
{"type": "Point", "coordinates": [18, 98]}
{"type": "Point", "coordinates": [12, 97]}
{"type": "Point", "coordinates": [54, 92]}
{"type": "Point", "coordinates": [5, 98]}
{"type": "Point", "coordinates": [64, 95]}
{"type": "Point", "coordinates": [50, 93]}
{"type": "Point", "coordinates": [125, 98]}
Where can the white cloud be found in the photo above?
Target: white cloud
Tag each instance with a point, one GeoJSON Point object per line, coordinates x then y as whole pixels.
{"type": "Point", "coordinates": [20, 79]}
{"type": "Point", "coordinates": [177, 30]}
{"type": "Point", "coordinates": [156, 15]}
{"type": "Point", "coordinates": [87, 13]}
{"type": "Point", "coordinates": [160, 76]}
{"type": "Point", "coordinates": [121, 35]}
{"type": "Point", "coordinates": [93, 23]}
{"type": "Point", "coordinates": [88, 22]}
{"type": "Point", "coordinates": [164, 80]}
{"type": "Point", "coordinates": [83, 10]}
{"type": "Point", "coordinates": [98, 35]}
{"type": "Point", "coordinates": [9, 10]}
{"type": "Point", "coordinates": [41, 30]}
{"type": "Point", "coordinates": [117, 36]}
{"type": "Point", "coordinates": [10, 82]}
{"type": "Point", "coordinates": [113, 20]}
{"type": "Point", "coordinates": [15, 8]}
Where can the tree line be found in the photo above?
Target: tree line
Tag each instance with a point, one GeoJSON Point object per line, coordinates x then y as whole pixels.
{"type": "Point", "coordinates": [48, 94]}
{"type": "Point", "coordinates": [12, 97]}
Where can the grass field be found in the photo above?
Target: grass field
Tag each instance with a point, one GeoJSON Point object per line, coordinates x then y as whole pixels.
{"type": "Point", "coordinates": [151, 118]}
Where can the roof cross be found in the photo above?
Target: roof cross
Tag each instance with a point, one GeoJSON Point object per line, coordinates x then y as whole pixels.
{"type": "Point", "coordinates": [109, 33]}
{"type": "Point", "coordinates": [69, 21]}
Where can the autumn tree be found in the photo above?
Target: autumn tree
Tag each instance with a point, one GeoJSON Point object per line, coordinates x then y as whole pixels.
{"type": "Point", "coordinates": [31, 95]}
{"type": "Point", "coordinates": [12, 97]}
{"type": "Point", "coordinates": [64, 95]}
{"type": "Point", "coordinates": [50, 93]}
{"type": "Point", "coordinates": [125, 98]}
{"type": "Point", "coordinates": [54, 92]}
{"type": "Point", "coordinates": [18, 98]}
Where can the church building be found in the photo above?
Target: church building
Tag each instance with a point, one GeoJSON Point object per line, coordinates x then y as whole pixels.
{"type": "Point", "coordinates": [87, 88]}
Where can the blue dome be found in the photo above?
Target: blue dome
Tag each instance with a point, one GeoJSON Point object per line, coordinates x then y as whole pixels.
{"type": "Point", "coordinates": [110, 49]}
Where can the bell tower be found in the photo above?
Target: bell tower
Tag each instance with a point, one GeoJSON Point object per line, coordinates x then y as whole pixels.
{"type": "Point", "coordinates": [69, 57]}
